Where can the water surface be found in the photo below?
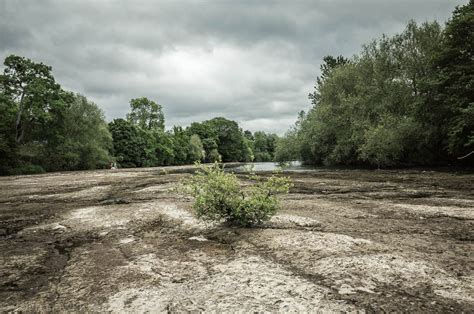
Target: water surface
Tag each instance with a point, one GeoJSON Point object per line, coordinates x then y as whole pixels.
{"type": "Point", "coordinates": [272, 166]}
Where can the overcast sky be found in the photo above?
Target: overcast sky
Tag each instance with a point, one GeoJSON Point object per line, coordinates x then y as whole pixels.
{"type": "Point", "coordinates": [251, 61]}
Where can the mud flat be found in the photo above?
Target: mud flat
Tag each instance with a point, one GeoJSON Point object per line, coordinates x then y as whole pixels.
{"type": "Point", "coordinates": [345, 240]}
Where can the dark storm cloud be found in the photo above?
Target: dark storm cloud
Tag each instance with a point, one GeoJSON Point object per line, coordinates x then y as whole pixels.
{"type": "Point", "coordinates": [250, 61]}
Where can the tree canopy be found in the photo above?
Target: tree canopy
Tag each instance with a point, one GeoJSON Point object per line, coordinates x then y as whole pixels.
{"type": "Point", "coordinates": [45, 128]}
{"type": "Point", "coordinates": [404, 100]}
{"type": "Point", "coordinates": [146, 114]}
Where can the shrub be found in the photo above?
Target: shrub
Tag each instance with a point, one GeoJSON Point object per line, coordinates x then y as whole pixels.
{"type": "Point", "coordinates": [219, 196]}
{"type": "Point", "coordinates": [26, 169]}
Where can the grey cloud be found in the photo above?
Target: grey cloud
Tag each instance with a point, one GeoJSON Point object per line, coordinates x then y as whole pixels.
{"type": "Point", "coordinates": [254, 62]}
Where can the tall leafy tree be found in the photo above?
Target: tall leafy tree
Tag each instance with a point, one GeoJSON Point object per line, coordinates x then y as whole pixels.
{"type": "Point", "coordinates": [289, 146]}
{"type": "Point", "coordinates": [38, 104]}
{"type": "Point", "coordinates": [264, 146]}
{"type": "Point", "coordinates": [129, 144]}
{"type": "Point", "coordinates": [86, 140]}
{"type": "Point", "coordinates": [208, 136]}
{"type": "Point", "coordinates": [230, 139]}
{"type": "Point", "coordinates": [329, 64]}
{"type": "Point", "coordinates": [196, 149]}
{"type": "Point", "coordinates": [31, 86]}
{"type": "Point", "coordinates": [372, 109]}
{"type": "Point", "coordinates": [455, 82]}
{"type": "Point", "coordinates": [180, 145]}
{"type": "Point", "coordinates": [146, 114]}
{"type": "Point", "coordinates": [8, 144]}
{"type": "Point", "coordinates": [164, 149]}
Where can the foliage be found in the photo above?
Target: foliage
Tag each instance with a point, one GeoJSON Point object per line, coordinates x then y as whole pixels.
{"type": "Point", "coordinates": [8, 145]}
{"type": "Point", "coordinates": [196, 149]}
{"type": "Point", "coordinates": [26, 169]}
{"type": "Point", "coordinates": [43, 127]}
{"type": "Point", "coordinates": [454, 112]}
{"type": "Point", "coordinates": [264, 146]}
{"type": "Point", "coordinates": [31, 86]}
{"type": "Point", "coordinates": [180, 146]}
{"type": "Point", "coordinates": [164, 149]}
{"type": "Point", "coordinates": [146, 114]}
{"type": "Point", "coordinates": [128, 144]}
{"type": "Point", "coordinates": [219, 196]}
{"type": "Point", "coordinates": [222, 139]}
{"type": "Point", "coordinates": [230, 140]}
{"type": "Point", "coordinates": [214, 156]}
{"type": "Point", "coordinates": [289, 147]}
{"type": "Point", "coordinates": [208, 138]}
{"type": "Point", "coordinates": [329, 64]}
{"type": "Point", "coordinates": [404, 100]}
{"type": "Point", "coordinates": [85, 140]}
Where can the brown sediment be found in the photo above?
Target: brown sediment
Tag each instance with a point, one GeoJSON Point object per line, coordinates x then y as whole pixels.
{"type": "Point", "coordinates": [345, 240]}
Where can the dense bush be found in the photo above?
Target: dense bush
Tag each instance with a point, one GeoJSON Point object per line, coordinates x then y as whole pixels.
{"type": "Point", "coordinates": [219, 196]}
{"type": "Point", "coordinates": [26, 169]}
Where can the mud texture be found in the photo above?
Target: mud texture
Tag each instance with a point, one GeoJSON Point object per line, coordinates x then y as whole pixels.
{"type": "Point", "coordinates": [345, 240]}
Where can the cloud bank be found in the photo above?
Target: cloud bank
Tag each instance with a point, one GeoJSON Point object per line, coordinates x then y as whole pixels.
{"type": "Point", "coordinates": [254, 62]}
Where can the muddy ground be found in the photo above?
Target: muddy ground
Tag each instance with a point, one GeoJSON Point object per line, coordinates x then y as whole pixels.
{"type": "Point", "coordinates": [345, 240]}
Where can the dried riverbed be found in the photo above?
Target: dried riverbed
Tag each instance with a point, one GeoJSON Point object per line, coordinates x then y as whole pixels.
{"type": "Point", "coordinates": [345, 240]}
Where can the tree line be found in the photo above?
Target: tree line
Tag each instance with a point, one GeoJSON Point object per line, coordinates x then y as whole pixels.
{"type": "Point", "coordinates": [404, 100]}
{"type": "Point", "coordinates": [46, 128]}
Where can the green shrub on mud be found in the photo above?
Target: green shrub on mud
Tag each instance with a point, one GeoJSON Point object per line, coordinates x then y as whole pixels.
{"type": "Point", "coordinates": [219, 196]}
{"type": "Point", "coordinates": [26, 169]}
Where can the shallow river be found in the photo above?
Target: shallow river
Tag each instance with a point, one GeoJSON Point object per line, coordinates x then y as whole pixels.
{"type": "Point", "coordinates": [272, 166]}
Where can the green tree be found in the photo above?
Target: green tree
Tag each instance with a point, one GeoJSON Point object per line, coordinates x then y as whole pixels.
{"type": "Point", "coordinates": [180, 146]}
{"type": "Point", "coordinates": [261, 147]}
{"type": "Point", "coordinates": [290, 146]}
{"type": "Point", "coordinates": [38, 103]}
{"type": "Point", "coordinates": [8, 144]}
{"type": "Point", "coordinates": [370, 109]}
{"type": "Point", "coordinates": [248, 135]}
{"type": "Point", "coordinates": [222, 139]}
{"type": "Point", "coordinates": [264, 146]}
{"type": "Point", "coordinates": [146, 114]}
{"type": "Point", "coordinates": [329, 64]}
{"type": "Point", "coordinates": [230, 140]}
{"type": "Point", "coordinates": [209, 139]}
{"type": "Point", "coordinates": [164, 149]}
{"type": "Point", "coordinates": [455, 83]}
{"type": "Point", "coordinates": [287, 148]}
{"type": "Point", "coordinates": [85, 139]}
{"type": "Point", "coordinates": [196, 149]}
{"type": "Point", "coordinates": [129, 145]}
{"type": "Point", "coordinates": [31, 86]}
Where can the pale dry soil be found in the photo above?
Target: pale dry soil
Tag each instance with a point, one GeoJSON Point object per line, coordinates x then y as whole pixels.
{"type": "Point", "coordinates": [344, 241]}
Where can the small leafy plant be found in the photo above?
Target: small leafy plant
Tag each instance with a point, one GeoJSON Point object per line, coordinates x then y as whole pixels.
{"type": "Point", "coordinates": [219, 196]}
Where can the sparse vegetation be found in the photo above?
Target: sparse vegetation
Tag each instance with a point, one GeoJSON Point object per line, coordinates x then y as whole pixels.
{"type": "Point", "coordinates": [220, 196]}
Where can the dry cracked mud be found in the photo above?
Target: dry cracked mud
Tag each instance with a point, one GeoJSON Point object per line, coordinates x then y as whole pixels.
{"type": "Point", "coordinates": [345, 240]}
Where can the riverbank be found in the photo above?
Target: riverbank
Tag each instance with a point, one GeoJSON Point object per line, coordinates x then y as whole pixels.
{"type": "Point", "coordinates": [122, 240]}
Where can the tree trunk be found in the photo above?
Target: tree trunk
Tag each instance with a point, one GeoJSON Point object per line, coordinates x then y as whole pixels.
{"type": "Point", "coordinates": [19, 134]}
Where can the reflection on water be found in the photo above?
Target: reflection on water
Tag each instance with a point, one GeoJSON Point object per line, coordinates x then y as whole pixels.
{"type": "Point", "coordinates": [271, 166]}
